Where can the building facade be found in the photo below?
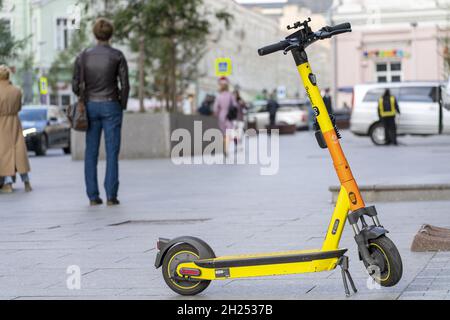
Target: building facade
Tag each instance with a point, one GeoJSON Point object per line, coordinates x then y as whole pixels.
{"type": "Point", "coordinates": [249, 32]}
{"type": "Point", "coordinates": [49, 25]}
{"type": "Point", "coordinates": [276, 9]}
{"type": "Point", "coordinates": [391, 41]}
{"type": "Point", "coordinates": [290, 11]}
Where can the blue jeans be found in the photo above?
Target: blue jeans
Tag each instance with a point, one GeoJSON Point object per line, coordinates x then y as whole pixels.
{"type": "Point", "coordinates": [107, 117]}
{"type": "Point", "coordinates": [9, 180]}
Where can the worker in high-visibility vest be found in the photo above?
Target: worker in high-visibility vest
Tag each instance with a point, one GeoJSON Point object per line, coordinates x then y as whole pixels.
{"type": "Point", "coordinates": [387, 110]}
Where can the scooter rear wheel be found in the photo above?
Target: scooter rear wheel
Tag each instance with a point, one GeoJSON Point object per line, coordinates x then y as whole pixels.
{"type": "Point", "coordinates": [177, 254]}
{"type": "Point", "coordinates": [388, 262]}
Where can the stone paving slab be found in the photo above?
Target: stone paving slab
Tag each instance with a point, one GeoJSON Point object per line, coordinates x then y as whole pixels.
{"type": "Point", "coordinates": [44, 232]}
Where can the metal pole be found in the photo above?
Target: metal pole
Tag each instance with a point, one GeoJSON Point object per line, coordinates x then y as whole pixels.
{"type": "Point", "coordinates": [334, 85]}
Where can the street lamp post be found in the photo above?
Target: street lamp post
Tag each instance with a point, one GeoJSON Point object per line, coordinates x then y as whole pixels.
{"type": "Point", "coordinates": [414, 47]}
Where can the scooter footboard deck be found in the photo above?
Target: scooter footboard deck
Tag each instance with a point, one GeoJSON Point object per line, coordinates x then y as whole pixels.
{"type": "Point", "coordinates": [257, 260]}
{"type": "Point", "coordinates": [282, 263]}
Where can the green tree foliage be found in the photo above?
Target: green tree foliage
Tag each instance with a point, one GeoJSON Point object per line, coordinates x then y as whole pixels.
{"type": "Point", "coordinates": [9, 46]}
{"type": "Point", "coordinates": [170, 37]}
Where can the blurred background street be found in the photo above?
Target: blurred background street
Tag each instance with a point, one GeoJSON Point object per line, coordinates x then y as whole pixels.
{"type": "Point", "coordinates": [182, 55]}
{"type": "Point", "coordinates": [43, 233]}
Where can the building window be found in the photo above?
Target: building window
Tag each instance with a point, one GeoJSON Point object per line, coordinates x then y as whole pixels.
{"type": "Point", "coordinates": [64, 29]}
{"type": "Point", "coordinates": [65, 99]}
{"type": "Point", "coordinates": [389, 71]}
{"type": "Point", "coordinates": [54, 99]}
{"type": "Point", "coordinates": [6, 24]}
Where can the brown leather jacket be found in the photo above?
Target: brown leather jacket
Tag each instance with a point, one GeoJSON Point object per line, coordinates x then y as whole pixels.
{"type": "Point", "coordinates": [104, 68]}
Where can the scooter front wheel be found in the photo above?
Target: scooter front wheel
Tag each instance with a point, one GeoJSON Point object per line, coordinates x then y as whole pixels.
{"type": "Point", "coordinates": [177, 254]}
{"type": "Point", "coordinates": [388, 268]}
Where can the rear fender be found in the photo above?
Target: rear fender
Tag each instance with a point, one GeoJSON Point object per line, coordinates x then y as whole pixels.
{"type": "Point", "coordinates": [202, 247]}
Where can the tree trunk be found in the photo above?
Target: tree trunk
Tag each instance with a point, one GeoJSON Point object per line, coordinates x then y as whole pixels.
{"type": "Point", "coordinates": [173, 75]}
{"type": "Point", "coordinates": [141, 64]}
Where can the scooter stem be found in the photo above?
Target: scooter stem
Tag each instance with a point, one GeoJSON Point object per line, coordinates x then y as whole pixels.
{"type": "Point", "coordinates": [340, 162]}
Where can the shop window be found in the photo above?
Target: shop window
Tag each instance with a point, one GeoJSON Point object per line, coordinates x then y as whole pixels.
{"type": "Point", "coordinates": [397, 66]}
{"type": "Point", "coordinates": [388, 71]}
{"type": "Point", "coordinates": [381, 67]}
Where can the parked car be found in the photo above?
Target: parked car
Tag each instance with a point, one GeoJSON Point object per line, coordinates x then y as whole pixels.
{"type": "Point", "coordinates": [45, 127]}
{"type": "Point", "coordinates": [424, 109]}
{"type": "Point", "coordinates": [291, 112]}
{"type": "Point", "coordinates": [342, 117]}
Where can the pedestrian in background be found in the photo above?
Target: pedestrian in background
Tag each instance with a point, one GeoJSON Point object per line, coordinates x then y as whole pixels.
{"type": "Point", "coordinates": [387, 111]}
{"type": "Point", "coordinates": [104, 68]}
{"type": "Point", "coordinates": [224, 102]}
{"type": "Point", "coordinates": [328, 102]}
{"type": "Point", "coordinates": [272, 107]}
{"type": "Point", "coordinates": [238, 123]}
{"type": "Point", "coordinates": [206, 106]}
{"type": "Point", "coordinates": [13, 150]}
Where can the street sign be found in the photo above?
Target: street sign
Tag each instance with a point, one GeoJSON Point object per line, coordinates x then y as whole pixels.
{"type": "Point", "coordinates": [43, 85]}
{"type": "Point", "coordinates": [223, 67]}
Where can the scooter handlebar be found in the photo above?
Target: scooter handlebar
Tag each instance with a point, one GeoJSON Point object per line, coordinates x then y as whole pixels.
{"type": "Point", "coordinates": [341, 27]}
{"type": "Point", "coordinates": [324, 33]}
{"type": "Point", "coordinates": [329, 31]}
{"type": "Point", "coordinates": [273, 48]}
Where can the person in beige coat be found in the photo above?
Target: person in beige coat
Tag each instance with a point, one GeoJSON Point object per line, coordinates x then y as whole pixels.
{"type": "Point", "coordinates": [13, 151]}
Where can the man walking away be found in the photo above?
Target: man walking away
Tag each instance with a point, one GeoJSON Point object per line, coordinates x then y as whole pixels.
{"type": "Point", "coordinates": [328, 102]}
{"type": "Point", "coordinates": [104, 67]}
{"type": "Point", "coordinates": [387, 110]}
{"type": "Point", "coordinates": [272, 107]}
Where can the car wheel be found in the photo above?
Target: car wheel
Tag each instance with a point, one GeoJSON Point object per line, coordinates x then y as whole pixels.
{"type": "Point", "coordinates": [41, 146]}
{"type": "Point", "coordinates": [377, 134]}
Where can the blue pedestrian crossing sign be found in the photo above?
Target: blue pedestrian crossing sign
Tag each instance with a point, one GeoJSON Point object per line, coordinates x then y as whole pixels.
{"type": "Point", "coordinates": [223, 67]}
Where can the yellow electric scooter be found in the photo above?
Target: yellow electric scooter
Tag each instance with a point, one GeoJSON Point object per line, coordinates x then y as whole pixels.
{"type": "Point", "coordinates": [189, 264]}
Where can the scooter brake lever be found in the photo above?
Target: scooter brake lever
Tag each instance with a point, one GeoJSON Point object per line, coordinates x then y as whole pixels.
{"type": "Point", "coordinates": [289, 48]}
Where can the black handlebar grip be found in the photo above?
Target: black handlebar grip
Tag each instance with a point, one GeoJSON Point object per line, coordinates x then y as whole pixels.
{"type": "Point", "coordinates": [339, 27]}
{"type": "Point", "coordinates": [273, 48]}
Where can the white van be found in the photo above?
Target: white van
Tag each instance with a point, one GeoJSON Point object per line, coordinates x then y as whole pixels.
{"type": "Point", "coordinates": [424, 109]}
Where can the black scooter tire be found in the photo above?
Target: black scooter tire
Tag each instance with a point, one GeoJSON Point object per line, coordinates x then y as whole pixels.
{"type": "Point", "coordinates": [185, 288]}
{"type": "Point", "coordinates": [391, 268]}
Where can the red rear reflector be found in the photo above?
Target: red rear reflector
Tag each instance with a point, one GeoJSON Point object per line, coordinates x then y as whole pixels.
{"type": "Point", "coordinates": [190, 272]}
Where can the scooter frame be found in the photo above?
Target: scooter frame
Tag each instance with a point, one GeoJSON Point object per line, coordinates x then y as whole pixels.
{"type": "Point", "coordinates": [349, 206]}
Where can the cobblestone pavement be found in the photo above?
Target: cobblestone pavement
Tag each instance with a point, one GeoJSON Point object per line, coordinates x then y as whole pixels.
{"type": "Point", "coordinates": [233, 208]}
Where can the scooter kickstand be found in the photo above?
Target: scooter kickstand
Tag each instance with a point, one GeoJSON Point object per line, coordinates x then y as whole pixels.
{"type": "Point", "coordinates": [343, 263]}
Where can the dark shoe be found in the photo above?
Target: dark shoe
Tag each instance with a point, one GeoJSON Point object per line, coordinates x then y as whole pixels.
{"type": "Point", "coordinates": [7, 188]}
{"type": "Point", "coordinates": [28, 187]}
{"type": "Point", "coordinates": [96, 202]}
{"type": "Point", "coordinates": [113, 202]}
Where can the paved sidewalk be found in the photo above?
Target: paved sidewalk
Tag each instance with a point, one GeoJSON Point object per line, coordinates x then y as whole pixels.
{"type": "Point", "coordinates": [233, 208]}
